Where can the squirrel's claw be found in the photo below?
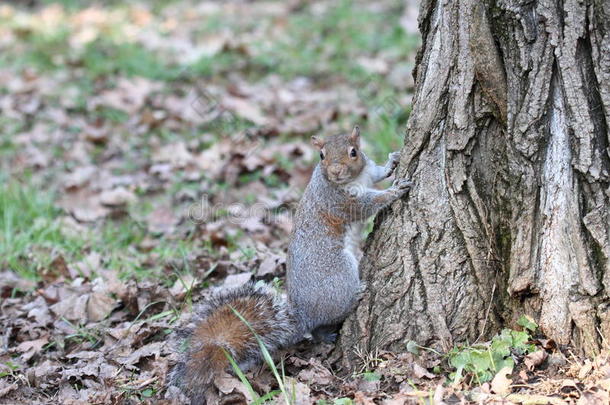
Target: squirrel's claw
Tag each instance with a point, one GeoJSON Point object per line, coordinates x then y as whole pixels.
{"type": "Point", "coordinates": [403, 184]}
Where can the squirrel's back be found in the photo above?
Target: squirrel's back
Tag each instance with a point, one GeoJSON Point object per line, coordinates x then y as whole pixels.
{"type": "Point", "coordinates": [216, 330]}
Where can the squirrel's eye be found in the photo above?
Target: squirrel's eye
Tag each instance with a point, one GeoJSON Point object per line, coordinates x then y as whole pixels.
{"type": "Point", "coordinates": [322, 155]}
{"type": "Point", "coordinates": [353, 152]}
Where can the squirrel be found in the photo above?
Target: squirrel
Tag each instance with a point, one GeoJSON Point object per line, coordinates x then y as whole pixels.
{"type": "Point", "coordinates": [323, 283]}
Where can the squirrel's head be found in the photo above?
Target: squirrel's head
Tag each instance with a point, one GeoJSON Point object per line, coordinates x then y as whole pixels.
{"type": "Point", "coordinates": [341, 160]}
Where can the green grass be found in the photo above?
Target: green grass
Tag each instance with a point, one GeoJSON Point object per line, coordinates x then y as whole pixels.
{"type": "Point", "coordinates": [8, 128]}
{"type": "Point", "coordinates": [315, 45]}
{"type": "Point", "coordinates": [31, 237]}
{"type": "Point", "coordinates": [104, 58]}
{"type": "Point", "coordinates": [27, 221]}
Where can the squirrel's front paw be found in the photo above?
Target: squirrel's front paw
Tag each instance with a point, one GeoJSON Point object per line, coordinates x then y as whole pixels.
{"type": "Point", "coordinates": [393, 159]}
{"type": "Point", "coordinates": [403, 184]}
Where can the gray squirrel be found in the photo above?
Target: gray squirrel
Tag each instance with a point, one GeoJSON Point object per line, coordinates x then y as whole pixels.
{"type": "Point", "coordinates": [322, 272]}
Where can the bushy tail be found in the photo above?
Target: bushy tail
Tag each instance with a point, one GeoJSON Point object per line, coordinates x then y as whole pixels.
{"type": "Point", "coordinates": [215, 329]}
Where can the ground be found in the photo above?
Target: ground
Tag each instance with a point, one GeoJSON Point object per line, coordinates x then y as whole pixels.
{"type": "Point", "coordinates": [151, 153]}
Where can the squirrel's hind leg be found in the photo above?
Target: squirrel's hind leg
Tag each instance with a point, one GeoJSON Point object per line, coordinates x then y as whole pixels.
{"type": "Point", "coordinates": [325, 333]}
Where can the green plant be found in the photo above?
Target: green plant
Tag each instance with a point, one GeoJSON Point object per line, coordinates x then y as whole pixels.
{"type": "Point", "coordinates": [482, 361]}
{"type": "Point", "coordinates": [8, 369]}
{"type": "Point", "coordinates": [147, 393]}
{"type": "Point", "coordinates": [82, 334]}
{"type": "Point", "coordinates": [370, 376]}
{"type": "Point", "coordinates": [343, 401]}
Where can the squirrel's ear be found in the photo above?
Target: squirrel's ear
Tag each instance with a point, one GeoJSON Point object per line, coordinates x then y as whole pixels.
{"type": "Point", "coordinates": [317, 142]}
{"type": "Point", "coordinates": [355, 136]}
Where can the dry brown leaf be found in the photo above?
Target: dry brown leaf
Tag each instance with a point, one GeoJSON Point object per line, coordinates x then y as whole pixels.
{"type": "Point", "coordinates": [547, 344]}
{"type": "Point", "coordinates": [86, 267]}
{"type": "Point", "coordinates": [227, 384]}
{"type": "Point", "coordinates": [236, 280]}
{"type": "Point", "coordinates": [535, 359]}
{"type": "Point", "coordinates": [253, 225]}
{"type": "Point", "coordinates": [421, 372]}
{"type": "Point", "coordinates": [245, 108]}
{"type": "Point", "coordinates": [361, 398]}
{"type": "Point", "coordinates": [151, 349]}
{"type": "Point", "coordinates": [605, 384]}
{"type": "Point", "coordinates": [55, 270]}
{"type": "Point", "coordinates": [594, 398]}
{"type": "Point", "coordinates": [176, 154]}
{"type": "Point", "coordinates": [79, 177]}
{"type": "Point", "coordinates": [301, 392]}
{"type": "Point", "coordinates": [162, 220]}
{"type": "Point", "coordinates": [31, 348]}
{"type": "Point", "coordinates": [117, 197]}
{"type": "Point", "coordinates": [84, 205]}
{"type": "Point", "coordinates": [6, 387]}
{"type": "Point", "coordinates": [72, 307]}
{"type": "Point", "coordinates": [585, 369]}
{"type": "Point", "coordinates": [100, 305]}
{"type": "Point", "coordinates": [9, 281]}
{"type": "Point", "coordinates": [270, 265]}
{"type": "Point", "coordinates": [501, 383]}
{"type": "Point", "coordinates": [316, 373]}
{"type": "Point", "coordinates": [39, 310]}
{"type": "Point", "coordinates": [182, 285]}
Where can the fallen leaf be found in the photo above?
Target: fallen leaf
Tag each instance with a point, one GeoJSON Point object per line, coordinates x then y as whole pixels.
{"type": "Point", "coordinates": [501, 383]}
{"type": "Point", "coordinates": [117, 197]}
{"type": "Point", "coordinates": [182, 285]}
{"type": "Point", "coordinates": [421, 372]}
{"type": "Point", "coordinates": [269, 265]}
{"type": "Point", "coordinates": [297, 390]}
{"type": "Point", "coordinates": [362, 399]}
{"type": "Point", "coordinates": [31, 348]}
{"type": "Point", "coordinates": [86, 267]}
{"type": "Point", "coordinates": [162, 220]}
{"type": "Point", "coordinates": [244, 108]}
{"type": "Point", "coordinates": [151, 349]}
{"type": "Point", "coordinates": [236, 280]}
{"type": "Point", "coordinates": [39, 310]}
{"type": "Point", "coordinates": [316, 373]}
{"type": "Point", "coordinates": [84, 205]}
{"type": "Point", "coordinates": [534, 359]}
{"type": "Point", "coordinates": [73, 308]}
{"type": "Point", "coordinates": [56, 269]}
{"type": "Point", "coordinates": [605, 384]}
{"type": "Point", "coordinates": [6, 387]}
{"type": "Point", "coordinates": [79, 177]}
{"type": "Point", "coordinates": [176, 154]}
{"type": "Point", "coordinates": [228, 384]}
{"type": "Point", "coordinates": [100, 305]}
{"type": "Point", "coordinates": [9, 281]}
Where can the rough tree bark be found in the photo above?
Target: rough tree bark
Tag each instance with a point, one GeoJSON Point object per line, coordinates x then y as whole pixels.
{"type": "Point", "coordinates": [508, 145]}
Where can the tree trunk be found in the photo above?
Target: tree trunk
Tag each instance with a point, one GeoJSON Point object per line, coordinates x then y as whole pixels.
{"type": "Point", "coordinates": [508, 145]}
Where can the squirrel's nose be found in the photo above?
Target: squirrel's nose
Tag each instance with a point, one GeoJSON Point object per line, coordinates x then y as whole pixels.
{"type": "Point", "coordinates": [334, 170]}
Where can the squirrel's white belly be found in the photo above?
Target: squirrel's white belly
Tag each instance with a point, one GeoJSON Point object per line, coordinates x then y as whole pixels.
{"type": "Point", "coordinates": [352, 241]}
{"type": "Point", "coordinates": [353, 234]}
